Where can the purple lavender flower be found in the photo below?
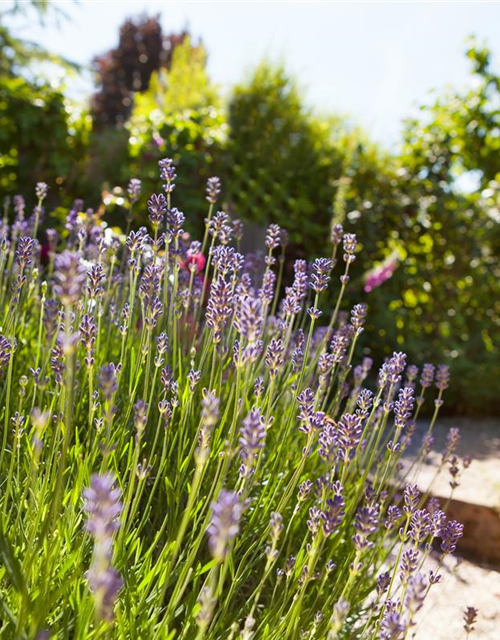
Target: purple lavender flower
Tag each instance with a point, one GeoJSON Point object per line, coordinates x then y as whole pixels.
{"type": "Point", "coordinates": [103, 508]}
{"type": "Point", "coordinates": [300, 279]}
{"type": "Point", "coordinates": [415, 594]}
{"type": "Point", "coordinates": [213, 189]}
{"type": "Point", "coordinates": [268, 282]}
{"type": "Point", "coordinates": [134, 190]}
{"type": "Point", "coordinates": [383, 582]}
{"type": "Point", "coordinates": [393, 626]}
{"type": "Point", "coordinates": [135, 241]}
{"type": "Point", "coordinates": [274, 356]}
{"type": "Point", "coordinates": [427, 443]}
{"type": "Point", "coordinates": [365, 524]}
{"type": "Point", "coordinates": [403, 407]}
{"type": "Point", "coordinates": [258, 387]}
{"type": "Point", "coordinates": [252, 436]}
{"type": "Point", "coordinates": [411, 498]}
{"type": "Point", "coordinates": [314, 521]}
{"type": "Point", "coordinates": [273, 236]}
{"type": "Point", "coordinates": [70, 277]}
{"type": "Point", "coordinates": [276, 525]}
{"type": "Point", "coordinates": [57, 360]}
{"type": "Point", "coordinates": [157, 207]}
{"type": "Point", "coordinates": [228, 261]}
{"type": "Point", "coordinates": [314, 313]}
{"type": "Point", "coordinates": [427, 376]}
{"type": "Point", "coordinates": [167, 173]}
{"type": "Point", "coordinates": [88, 335]}
{"type": "Point", "coordinates": [364, 402]}
{"type": "Point", "coordinates": [411, 375]}
{"type": "Point", "coordinates": [409, 563]}
{"type": "Point", "coordinates": [442, 377]}
{"type": "Point", "coordinates": [95, 276]}
{"type": "Point", "coordinates": [470, 618]}
{"type": "Point", "coordinates": [238, 229]}
{"type": "Point", "coordinates": [438, 520]}
{"type": "Point", "coordinates": [338, 346]}
{"type": "Point", "coordinates": [41, 190]}
{"type": "Point", "coordinates": [219, 307]}
{"type": "Point", "coordinates": [175, 220]}
{"type": "Point", "coordinates": [248, 317]}
{"type": "Point", "coordinates": [108, 383]}
{"type": "Point", "coordinates": [420, 525]}
{"type": "Point", "coordinates": [305, 489]}
{"type": "Point", "coordinates": [219, 227]}
{"type": "Point", "coordinates": [194, 378]}
{"type": "Point", "coordinates": [291, 303]}
{"type": "Point", "coordinates": [24, 251]}
{"type": "Point", "coordinates": [336, 233]}
{"type": "Point", "coordinates": [333, 512]}
{"type": "Point", "coordinates": [450, 536]}
{"type": "Point", "coordinates": [225, 524]}
{"type": "Point", "coordinates": [433, 505]}
{"type": "Point", "coordinates": [349, 245]}
{"type": "Point", "coordinates": [321, 274]}
{"type": "Point", "coordinates": [150, 284]}
{"type": "Point", "coordinates": [349, 433]}
{"type": "Point", "coordinates": [358, 317]}
{"type": "Point", "coordinates": [284, 239]}
{"type": "Point", "coordinates": [452, 441]}
{"type": "Point", "coordinates": [6, 351]}
{"type": "Point", "coordinates": [393, 516]}
{"type": "Point", "coordinates": [309, 418]}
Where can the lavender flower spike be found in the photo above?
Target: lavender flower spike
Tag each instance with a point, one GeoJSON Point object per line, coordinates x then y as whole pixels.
{"type": "Point", "coordinates": [450, 536]}
{"type": "Point", "coordinates": [226, 516]}
{"type": "Point", "coordinates": [470, 617]}
{"type": "Point", "coordinates": [103, 508]}
{"type": "Point", "coordinates": [213, 189]}
{"type": "Point", "coordinates": [41, 190]}
{"type": "Point", "coordinates": [70, 277]}
{"type": "Point", "coordinates": [134, 190]}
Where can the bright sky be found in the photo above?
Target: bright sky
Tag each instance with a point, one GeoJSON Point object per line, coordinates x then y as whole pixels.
{"type": "Point", "coordinates": [373, 60]}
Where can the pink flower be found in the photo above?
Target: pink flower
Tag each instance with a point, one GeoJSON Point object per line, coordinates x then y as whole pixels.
{"type": "Point", "coordinates": [380, 274]}
{"type": "Point", "coordinates": [198, 259]}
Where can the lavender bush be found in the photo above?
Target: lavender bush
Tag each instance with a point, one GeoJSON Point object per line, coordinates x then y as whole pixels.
{"type": "Point", "coordinates": [184, 455]}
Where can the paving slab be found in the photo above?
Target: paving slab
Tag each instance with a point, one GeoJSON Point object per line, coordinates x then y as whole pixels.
{"type": "Point", "coordinates": [463, 584]}
{"type": "Point", "coordinates": [476, 502]}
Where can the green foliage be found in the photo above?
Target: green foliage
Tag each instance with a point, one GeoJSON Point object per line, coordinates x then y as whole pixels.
{"type": "Point", "coordinates": [185, 85]}
{"type": "Point", "coordinates": [444, 296]}
{"type": "Point", "coordinates": [42, 136]}
{"type": "Point", "coordinates": [281, 162]}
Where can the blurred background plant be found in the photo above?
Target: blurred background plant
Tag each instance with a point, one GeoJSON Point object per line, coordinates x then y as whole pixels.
{"type": "Point", "coordinates": [427, 213]}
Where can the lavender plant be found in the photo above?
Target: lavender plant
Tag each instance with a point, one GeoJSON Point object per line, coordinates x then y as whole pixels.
{"type": "Point", "coordinates": [186, 455]}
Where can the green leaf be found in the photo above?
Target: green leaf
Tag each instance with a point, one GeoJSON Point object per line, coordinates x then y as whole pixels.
{"type": "Point", "coordinates": [11, 563]}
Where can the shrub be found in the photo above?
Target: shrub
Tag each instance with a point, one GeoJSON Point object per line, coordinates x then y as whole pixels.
{"type": "Point", "coordinates": [443, 295]}
{"type": "Point", "coordinates": [27, 111]}
{"type": "Point", "coordinates": [272, 134]}
{"type": "Point", "coordinates": [178, 464]}
{"type": "Point", "coordinates": [121, 72]}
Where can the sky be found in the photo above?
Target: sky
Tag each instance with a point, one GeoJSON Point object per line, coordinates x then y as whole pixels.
{"type": "Point", "coordinates": [375, 61]}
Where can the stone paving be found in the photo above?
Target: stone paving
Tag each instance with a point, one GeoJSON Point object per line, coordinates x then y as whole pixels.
{"type": "Point", "coordinates": [466, 583]}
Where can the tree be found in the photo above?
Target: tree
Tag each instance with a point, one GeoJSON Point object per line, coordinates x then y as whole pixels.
{"type": "Point", "coordinates": [127, 69]}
